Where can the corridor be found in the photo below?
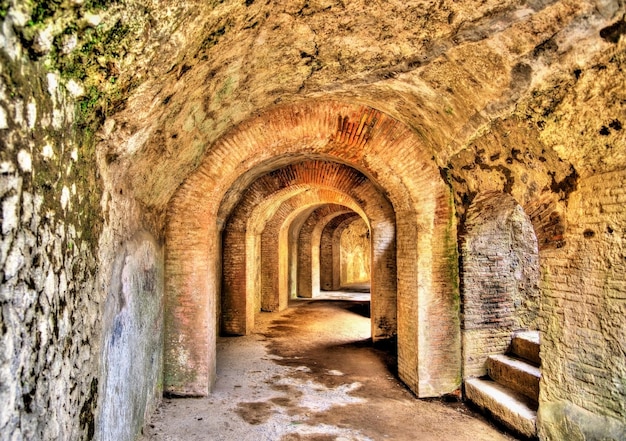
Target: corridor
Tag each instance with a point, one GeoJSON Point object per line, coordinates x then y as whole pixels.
{"type": "Point", "coordinates": [311, 373]}
{"type": "Point", "coordinates": [182, 181]}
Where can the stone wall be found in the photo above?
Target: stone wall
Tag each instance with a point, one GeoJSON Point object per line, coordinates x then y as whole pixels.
{"type": "Point", "coordinates": [50, 297]}
{"type": "Point", "coordinates": [112, 114]}
{"type": "Point", "coordinates": [338, 132]}
{"type": "Point", "coordinates": [132, 362]}
{"type": "Point", "coordinates": [81, 295]}
{"type": "Point", "coordinates": [577, 224]}
{"type": "Point", "coordinates": [330, 252]}
{"type": "Point", "coordinates": [499, 276]}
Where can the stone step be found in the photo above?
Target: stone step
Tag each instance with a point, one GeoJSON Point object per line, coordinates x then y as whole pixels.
{"type": "Point", "coordinates": [515, 374]}
{"type": "Point", "coordinates": [512, 409]}
{"type": "Point", "coordinates": [525, 344]}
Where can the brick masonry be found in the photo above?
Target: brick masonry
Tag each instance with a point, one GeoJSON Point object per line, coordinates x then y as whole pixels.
{"type": "Point", "coordinates": [108, 150]}
{"type": "Point", "coordinates": [355, 253]}
{"type": "Point", "coordinates": [584, 304]}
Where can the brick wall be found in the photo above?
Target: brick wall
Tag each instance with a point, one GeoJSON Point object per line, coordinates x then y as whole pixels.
{"type": "Point", "coordinates": [253, 269]}
{"type": "Point", "coordinates": [355, 253]}
{"type": "Point", "coordinates": [308, 245]}
{"type": "Point", "coordinates": [583, 308]}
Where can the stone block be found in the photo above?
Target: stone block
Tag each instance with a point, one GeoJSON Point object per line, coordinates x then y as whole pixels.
{"type": "Point", "coordinates": [512, 409]}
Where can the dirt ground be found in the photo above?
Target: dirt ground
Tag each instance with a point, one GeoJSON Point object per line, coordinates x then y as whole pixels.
{"type": "Point", "coordinates": [311, 373]}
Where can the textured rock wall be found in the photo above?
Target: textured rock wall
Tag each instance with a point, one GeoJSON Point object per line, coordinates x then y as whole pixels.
{"type": "Point", "coordinates": [65, 225]}
{"type": "Point", "coordinates": [133, 340]}
{"type": "Point", "coordinates": [499, 275]}
{"type": "Point", "coordinates": [50, 299]}
{"type": "Point", "coordinates": [580, 321]}
{"type": "Point", "coordinates": [330, 252]}
{"type": "Point", "coordinates": [520, 97]}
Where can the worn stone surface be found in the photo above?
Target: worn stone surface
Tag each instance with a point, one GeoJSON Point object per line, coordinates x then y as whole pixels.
{"type": "Point", "coordinates": [583, 306]}
{"type": "Point", "coordinates": [133, 340]}
{"type": "Point", "coordinates": [515, 374]}
{"type": "Point", "coordinates": [50, 225]}
{"type": "Point", "coordinates": [562, 418]}
{"type": "Point", "coordinates": [526, 345]}
{"type": "Point", "coordinates": [513, 410]}
{"type": "Point", "coordinates": [499, 273]}
{"type": "Point", "coordinates": [60, 234]}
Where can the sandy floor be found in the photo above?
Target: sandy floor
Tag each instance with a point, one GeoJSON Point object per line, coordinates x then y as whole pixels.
{"type": "Point", "coordinates": [310, 373]}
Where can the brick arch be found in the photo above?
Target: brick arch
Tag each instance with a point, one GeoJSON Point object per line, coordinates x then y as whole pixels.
{"type": "Point", "coordinates": [336, 249]}
{"type": "Point", "coordinates": [383, 149]}
{"type": "Point", "coordinates": [319, 173]}
{"type": "Point", "coordinates": [244, 282]}
{"type": "Point", "coordinates": [383, 284]}
{"type": "Point", "coordinates": [308, 255]}
{"type": "Point", "coordinates": [279, 286]}
{"type": "Point", "coordinates": [308, 249]}
{"type": "Point", "coordinates": [499, 274]}
{"type": "Point", "coordinates": [316, 246]}
{"type": "Point", "coordinates": [546, 214]}
{"type": "Point", "coordinates": [330, 259]}
{"type": "Point", "coordinates": [244, 254]}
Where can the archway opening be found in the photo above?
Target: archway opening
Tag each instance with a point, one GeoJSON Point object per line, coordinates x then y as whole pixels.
{"type": "Point", "coordinates": [284, 225]}
{"type": "Point", "coordinates": [499, 275]}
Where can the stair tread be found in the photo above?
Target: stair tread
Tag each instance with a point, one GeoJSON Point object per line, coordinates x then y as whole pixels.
{"type": "Point", "coordinates": [518, 364]}
{"type": "Point", "coordinates": [510, 407]}
{"type": "Point", "coordinates": [531, 336]}
{"type": "Point", "coordinates": [526, 345]}
{"type": "Point", "coordinates": [517, 401]}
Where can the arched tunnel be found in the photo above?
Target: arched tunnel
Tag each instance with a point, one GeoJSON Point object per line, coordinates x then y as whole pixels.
{"type": "Point", "coordinates": [172, 173]}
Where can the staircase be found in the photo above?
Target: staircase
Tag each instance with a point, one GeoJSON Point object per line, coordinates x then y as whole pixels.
{"type": "Point", "coordinates": [511, 392]}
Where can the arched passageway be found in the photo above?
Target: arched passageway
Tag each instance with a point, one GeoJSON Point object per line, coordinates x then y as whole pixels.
{"type": "Point", "coordinates": [284, 211]}
{"type": "Point", "coordinates": [330, 251]}
{"type": "Point", "coordinates": [419, 304]}
{"type": "Point", "coordinates": [354, 247]}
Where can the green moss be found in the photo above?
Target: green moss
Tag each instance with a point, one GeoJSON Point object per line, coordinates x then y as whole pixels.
{"type": "Point", "coordinates": [51, 174]}
{"type": "Point", "coordinates": [45, 9]}
{"type": "Point", "coordinates": [226, 89]}
{"type": "Point", "coordinates": [94, 64]}
{"type": "Point", "coordinates": [4, 8]}
{"type": "Point", "coordinates": [42, 10]}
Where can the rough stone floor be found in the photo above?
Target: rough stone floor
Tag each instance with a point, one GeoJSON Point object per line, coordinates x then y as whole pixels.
{"type": "Point", "coordinates": [309, 373]}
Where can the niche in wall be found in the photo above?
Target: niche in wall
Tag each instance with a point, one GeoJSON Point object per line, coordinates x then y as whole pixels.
{"type": "Point", "coordinates": [499, 275]}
